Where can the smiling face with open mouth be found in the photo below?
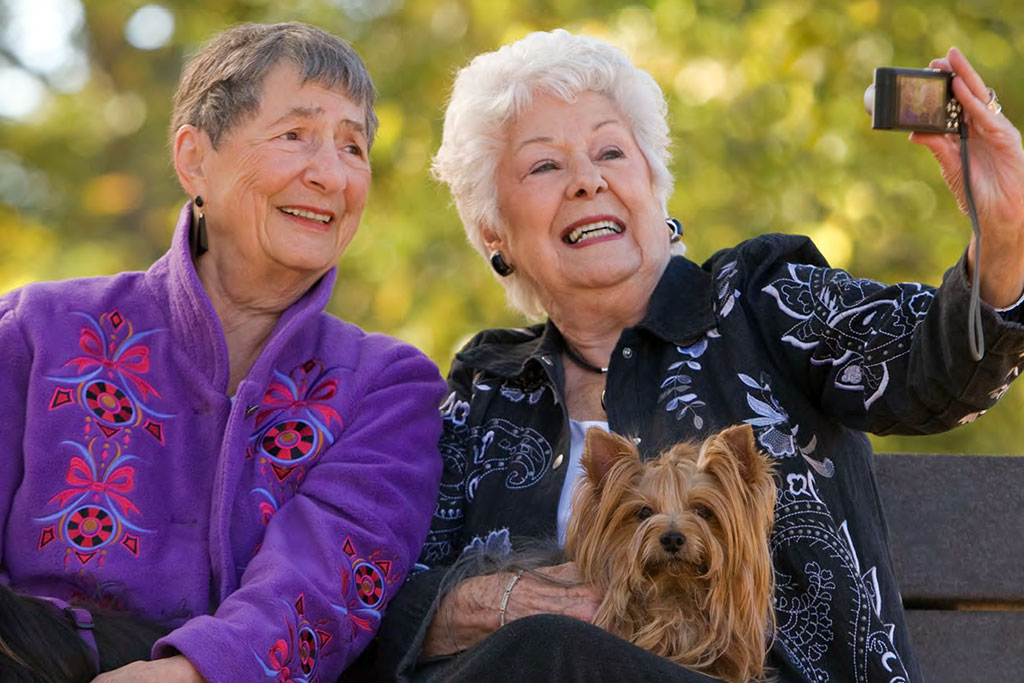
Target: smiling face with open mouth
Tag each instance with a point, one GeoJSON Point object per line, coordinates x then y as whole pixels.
{"type": "Point", "coordinates": [285, 189]}
{"type": "Point", "coordinates": [576, 195]}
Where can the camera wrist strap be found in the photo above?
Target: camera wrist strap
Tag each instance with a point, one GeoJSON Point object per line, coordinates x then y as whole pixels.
{"type": "Point", "coordinates": [975, 333]}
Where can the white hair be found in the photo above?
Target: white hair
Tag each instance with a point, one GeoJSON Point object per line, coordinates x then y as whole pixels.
{"type": "Point", "coordinates": [498, 86]}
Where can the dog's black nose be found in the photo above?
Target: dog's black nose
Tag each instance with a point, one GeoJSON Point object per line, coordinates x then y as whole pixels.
{"type": "Point", "coordinates": [672, 541]}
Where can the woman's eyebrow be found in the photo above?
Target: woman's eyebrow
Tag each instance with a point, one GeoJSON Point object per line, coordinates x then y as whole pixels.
{"type": "Point", "coordinates": [532, 141]}
{"type": "Point", "coordinates": [606, 122]}
{"type": "Point", "coordinates": [545, 138]}
{"type": "Point", "coordinates": [306, 112]}
{"type": "Point", "coordinates": [356, 126]}
{"type": "Point", "coordinates": [300, 112]}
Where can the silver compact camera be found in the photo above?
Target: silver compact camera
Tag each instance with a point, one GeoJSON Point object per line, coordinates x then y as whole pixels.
{"type": "Point", "coordinates": [913, 99]}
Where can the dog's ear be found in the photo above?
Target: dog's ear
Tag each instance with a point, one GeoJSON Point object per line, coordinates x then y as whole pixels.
{"type": "Point", "coordinates": [733, 455]}
{"type": "Point", "coordinates": [602, 450]}
{"type": "Point", "coordinates": [738, 440]}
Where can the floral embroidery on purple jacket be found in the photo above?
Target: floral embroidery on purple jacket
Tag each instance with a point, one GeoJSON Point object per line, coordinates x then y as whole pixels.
{"type": "Point", "coordinates": [270, 528]}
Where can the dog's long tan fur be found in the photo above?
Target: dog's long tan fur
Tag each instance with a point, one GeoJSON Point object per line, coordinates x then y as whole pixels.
{"type": "Point", "coordinates": [705, 600]}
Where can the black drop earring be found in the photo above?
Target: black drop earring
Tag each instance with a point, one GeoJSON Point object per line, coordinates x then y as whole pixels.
{"type": "Point", "coordinates": [197, 232]}
{"type": "Point", "coordinates": [500, 266]}
{"type": "Point", "coordinates": [675, 228]}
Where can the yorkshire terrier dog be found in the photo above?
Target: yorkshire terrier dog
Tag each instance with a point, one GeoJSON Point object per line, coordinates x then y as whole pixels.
{"type": "Point", "coordinates": [679, 545]}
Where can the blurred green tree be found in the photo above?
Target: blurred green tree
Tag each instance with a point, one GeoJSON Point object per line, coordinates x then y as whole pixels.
{"type": "Point", "coordinates": [765, 104]}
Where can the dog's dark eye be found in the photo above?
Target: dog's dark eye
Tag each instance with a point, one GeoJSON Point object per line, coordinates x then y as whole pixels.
{"type": "Point", "coordinates": [644, 512]}
{"type": "Point", "coordinates": [703, 511]}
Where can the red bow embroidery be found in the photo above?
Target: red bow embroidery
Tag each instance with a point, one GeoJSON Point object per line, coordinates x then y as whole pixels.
{"type": "Point", "coordinates": [279, 660]}
{"type": "Point", "coordinates": [280, 397]}
{"type": "Point", "coordinates": [116, 482]}
{"type": "Point", "coordinates": [359, 615]}
{"type": "Point", "coordinates": [134, 360]}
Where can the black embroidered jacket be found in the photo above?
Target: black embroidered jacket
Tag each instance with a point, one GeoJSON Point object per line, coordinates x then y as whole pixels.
{"type": "Point", "coordinates": [764, 333]}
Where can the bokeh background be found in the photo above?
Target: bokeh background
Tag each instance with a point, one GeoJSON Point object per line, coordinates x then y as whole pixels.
{"type": "Point", "coordinates": [766, 112]}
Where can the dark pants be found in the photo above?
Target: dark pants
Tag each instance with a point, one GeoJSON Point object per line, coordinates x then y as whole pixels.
{"type": "Point", "coordinates": [548, 648]}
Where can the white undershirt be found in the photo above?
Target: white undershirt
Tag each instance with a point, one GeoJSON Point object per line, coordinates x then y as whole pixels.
{"type": "Point", "coordinates": [574, 470]}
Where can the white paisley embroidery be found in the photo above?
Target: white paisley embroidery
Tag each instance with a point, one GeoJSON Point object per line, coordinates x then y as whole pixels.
{"type": "Point", "coordinates": [774, 432]}
{"type": "Point", "coordinates": [847, 325]}
{"type": "Point", "coordinates": [498, 448]}
{"type": "Point", "coordinates": [811, 598]}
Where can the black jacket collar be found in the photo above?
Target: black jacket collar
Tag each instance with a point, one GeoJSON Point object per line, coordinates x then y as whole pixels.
{"type": "Point", "coordinates": [681, 309]}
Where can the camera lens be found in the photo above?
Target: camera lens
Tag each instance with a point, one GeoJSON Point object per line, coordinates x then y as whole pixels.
{"type": "Point", "coordinates": [869, 100]}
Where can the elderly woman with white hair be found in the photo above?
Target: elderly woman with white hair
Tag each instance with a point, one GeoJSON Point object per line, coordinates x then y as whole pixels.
{"type": "Point", "coordinates": [555, 151]}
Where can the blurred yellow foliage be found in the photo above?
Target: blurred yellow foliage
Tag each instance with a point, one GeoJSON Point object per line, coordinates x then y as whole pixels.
{"type": "Point", "coordinates": [765, 104]}
{"type": "Point", "coordinates": [112, 194]}
{"type": "Point", "coordinates": [27, 247]}
{"type": "Point", "coordinates": [863, 12]}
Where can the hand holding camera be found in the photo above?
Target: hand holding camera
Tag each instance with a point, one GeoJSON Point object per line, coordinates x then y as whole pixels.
{"type": "Point", "coordinates": [997, 159]}
{"type": "Point", "coordinates": [923, 102]}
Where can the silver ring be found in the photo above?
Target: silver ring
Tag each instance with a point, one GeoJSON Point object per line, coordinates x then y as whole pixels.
{"type": "Point", "coordinates": [993, 102]}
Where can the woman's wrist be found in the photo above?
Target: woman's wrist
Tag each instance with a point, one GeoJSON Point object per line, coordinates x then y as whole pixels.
{"type": "Point", "coordinates": [467, 614]}
{"type": "Point", "coordinates": [1002, 273]}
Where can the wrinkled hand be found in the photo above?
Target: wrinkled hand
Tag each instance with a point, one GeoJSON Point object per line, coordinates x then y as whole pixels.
{"type": "Point", "coordinates": [469, 612]}
{"type": "Point", "coordinates": [175, 669]}
{"type": "Point", "coordinates": [997, 180]}
{"type": "Point", "coordinates": [534, 595]}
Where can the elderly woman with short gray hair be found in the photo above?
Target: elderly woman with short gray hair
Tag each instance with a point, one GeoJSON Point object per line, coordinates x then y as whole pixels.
{"type": "Point", "coordinates": [555, 149]}
{"type": "Point", "coordinates": [200, 445]}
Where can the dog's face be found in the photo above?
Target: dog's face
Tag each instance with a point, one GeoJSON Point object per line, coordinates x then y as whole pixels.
{"type": "Point", "coordinates": [671, 522]}
{"type": "Point", "coordinates": [679, 545]}
{"type": "Point", "coordinates": [682, 515]}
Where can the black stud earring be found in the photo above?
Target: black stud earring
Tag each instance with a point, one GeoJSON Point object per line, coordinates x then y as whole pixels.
{"type": "Point", "coordinates": [675, 228]}
{"type": "Point", "coordinates": [197, 232]}
{"type": "Point", "coordinates": [500, 266]}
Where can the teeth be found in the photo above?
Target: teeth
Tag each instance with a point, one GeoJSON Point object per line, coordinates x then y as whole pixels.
{"type": "Point", "coordinates": [591, 230]}
{"type": "Point", "coordinates": [312, 215]}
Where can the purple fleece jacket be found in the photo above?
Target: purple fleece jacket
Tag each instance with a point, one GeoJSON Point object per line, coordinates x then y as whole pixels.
{"type": "Point", "coordinates": [270, 528]}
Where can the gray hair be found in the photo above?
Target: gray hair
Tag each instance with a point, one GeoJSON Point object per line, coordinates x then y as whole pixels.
{"type": "Point", "coordinates": [498, 86]}
{"type": "Point", "coordinates": [222, 85]}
